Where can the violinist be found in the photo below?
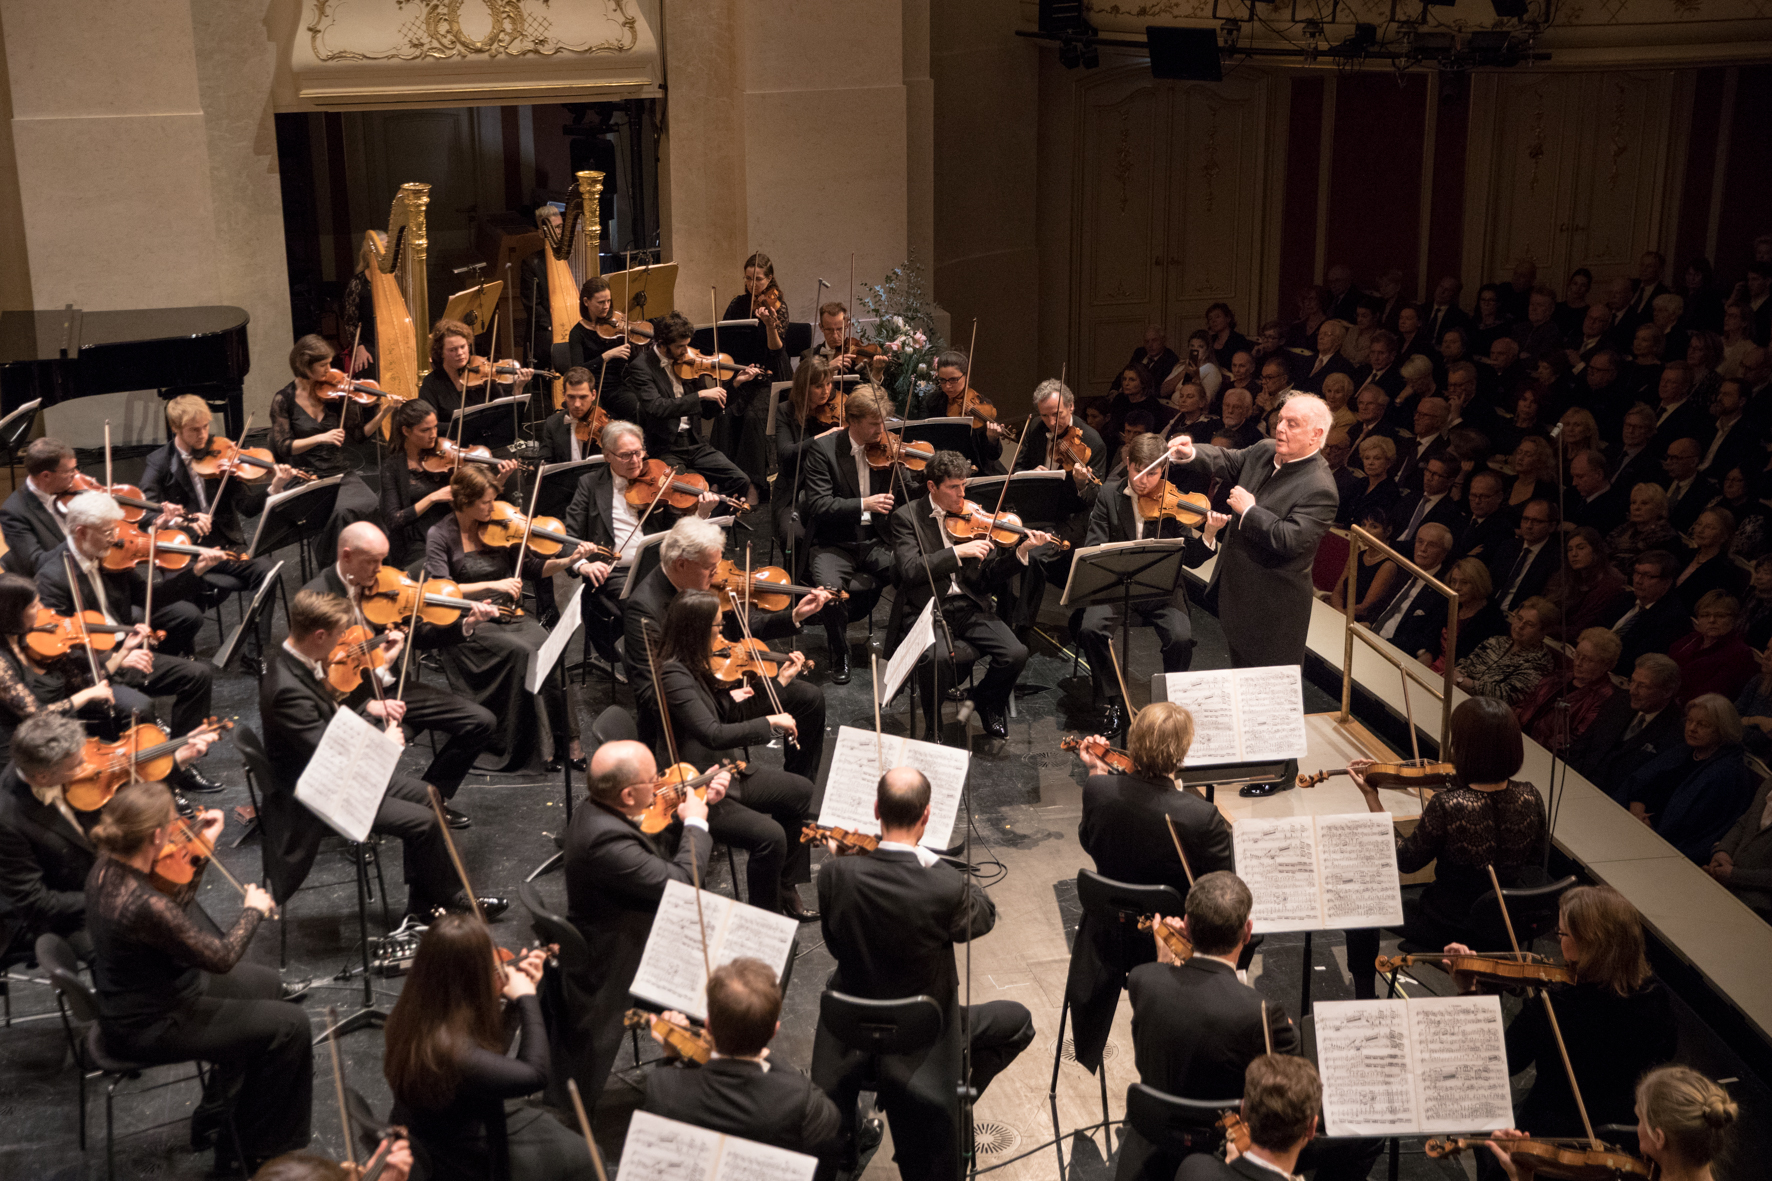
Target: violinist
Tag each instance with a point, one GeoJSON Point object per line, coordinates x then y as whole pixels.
{"type": "Point", "coordinates": [1483, 818]}
{"type": "Point", "coordinates": [30, 520]}
{"type": "Point", "coordinates": [464, 726]}
{"type": "Point", "coordinates": [671, 407]}
{"type": "Point", "coordinates": [169, 991]}
{"type": "Point", "coordinates": [211, 511]}
{"type": "Point", "coordinates": [1056, 441]}
{"type": "Point", "coordinates": [1683, 1121]}
{"type": "Point", "coordinates": [810, 416]}
{"type": "Point", "coordinates": [451, 385]}
{"type": "Point", "coordinates": [847, 504]}
{"type": "Point", "coordinates": [838, 348]}
{"type": "Point", "coordinates": [1282, 1105]}
{"type": "Point", "coordinates": [742, 432]}
{"type": "Point", "coordinates": [1125, 829]}
{"type": "Point", "coordinates": [953, 396]}
{"type": "Point", "coordinates": [120, 596]}
{"type": "Point", "coordinates": [599, 344]}
{"type": "Point", "coordinates": [762, 301]}
{"type": "Point", "coordinates": [1120, 514]}
{"type": "Point", "coordinates": [413, 497]}
{"type": "Point", "coordinates": [966, 574]}
{"type": "Point", "coordinates": [492, 663]}
{"type": "Point", "coordinates": [31, 684]}
{"type": "Point", "coordinates": [559, 431]}
{"type": "Point", "coordinates": [331, 437]}
{"type": "Point", "coordinates": [763, 811]}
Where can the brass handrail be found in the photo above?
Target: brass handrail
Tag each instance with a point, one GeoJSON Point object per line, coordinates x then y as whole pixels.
{"type": "Point", "coordinates": [1358, 539]}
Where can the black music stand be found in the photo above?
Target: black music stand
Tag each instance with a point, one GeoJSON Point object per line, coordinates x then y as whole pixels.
{"type": "Point", "coordinates": [261, 601]}
{"type": "Point", "coordinates": [1032, 496]}
{"type": "Point", "coordinates": [294, 515]}
{"type": "Point", "coordinates": [1124, 570]}
{"type": "Point", "coordinates": [13, 429]}
{"type": "Point", "coordinates": [1226, 774]}
{"type": "Point", "coordinates": [559, 481]}
{"type": "Point", "coordinates": [945, 434]}
{"type": "Point", "coordinates": [493, 424]}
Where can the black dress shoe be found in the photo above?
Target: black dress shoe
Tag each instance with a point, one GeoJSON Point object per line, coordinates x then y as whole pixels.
{"type": "Point", "coordinates": [793, 908]}
{"type": "Point", "coordinates": [1113, 718]}
{"type": "Point", "coordinates": [457, 819]}
{"type": "Point", "coordinates": [193, 780]}
{"type": "Point", "coordinates": [253, 666]}
{"type": "Point", "coordinates": [840, 667]}
{"type": "Point", "coordinates": [554, 764]}
{"type": "Point", "coordinates": [492, 906]}
{"type": "Point", "coordinates": [995, 724]}
{"type": "Point", "coordinates": [1257, 790]}
{"type": "Point", "coordinates": [294, 990]}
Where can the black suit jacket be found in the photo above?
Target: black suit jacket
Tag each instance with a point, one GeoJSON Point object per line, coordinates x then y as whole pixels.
{"type": "Point", "coordinates": [643, 616]}
{"type": "Point", "coordinates": [1683, 512]}
{"type": "Point", "coordinates": [1076, 502]}
{"type": "Point", "coordinates": [779, 1106]}
{"type": "Point", "coordinates": [1411, 459]}
{"type": "Point", "coordinates": [1312, 383]}
{"type": "Point", "coordinates": [1602, 755]}
{"type": "Point", "coordinates": [31, 533]}
{"type": "Point", "coordinates": [591, 515]}
{"type": "Point", "coordinates": [1741, 447]}
{"type": "Point", "coordinates": [429, 635]}
{"type": "Point", "coordinates": [1447, 512]}
{"type": "Point", "coordinates": [979, 579]}
{"type": "Point", "coordinates": [1391, 381]}
{"type": "Point", "coordinates": [1205, 1166]}
{"type": "Point", "coordinates": [1537, 574]}
{"type": "Point", "coordinates": [1114, 518]}
{"type": "Point", "coordinates": [647, 386]}
{"type": "Point", "coordinates": [1435, 323]}
{"type": "Point", "coordinates": [44, 861]}
{"type": "Point", "coordinates": [1690, 420]}
{"type": "Point", "coordinates": [124, 589]}
{"type": "Point", "coordinates": [1489, 535]}
{"type": "Point", "coordinates": [1653, 630]}
{"type": "Point", "coordinates": [556, 440]}
{"type": "Point", "coordinates": [166, 478]}
{"type": "Point", "coordinates": [831, 495]}
{"type": "Point", "coordinates": [1642, 468]}
{"type": "Point", "coordinates": [1605, 512]}
{"type": "Point", "coordinates": [1423, 619]}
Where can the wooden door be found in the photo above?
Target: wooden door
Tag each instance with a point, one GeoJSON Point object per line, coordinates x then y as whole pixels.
{"type": "Point", "coordinates": [1616, 209]}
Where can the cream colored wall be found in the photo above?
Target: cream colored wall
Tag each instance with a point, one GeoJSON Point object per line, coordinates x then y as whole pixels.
{"type": "Point", "coordinates": [15, 274]}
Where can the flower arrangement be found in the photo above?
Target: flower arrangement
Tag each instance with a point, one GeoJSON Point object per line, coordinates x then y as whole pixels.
{"type": "Point", "coordinates": [903, 325]}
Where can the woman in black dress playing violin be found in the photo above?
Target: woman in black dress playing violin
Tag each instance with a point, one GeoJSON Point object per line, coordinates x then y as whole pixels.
{"type": "Point", "coordinates": [453, 383]}
{"type": "Point", "coordinates": [328, 437]}
{"type": "Point", "coordinates": [413, 498]}
{"type": "Point", "coordinates": [606, 357]}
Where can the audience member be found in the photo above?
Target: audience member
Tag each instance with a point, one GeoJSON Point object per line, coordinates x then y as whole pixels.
{"type": "Point", "coordinates": [1693, 792]}
{"type": "Point", "coordinates": [1645, 529]}
{"type": "Point", "coordinates": [1587, 583]}
{"type": "Point", "coordinates": [1379, 492]}
{"type": "Point", "coordinates": [1375, 575]}
{"type": "Point", "coordinates": [1479, 619]}
{"type": "Point", "coordinates": [1713, 658]}
{"type": "Point", "coordinates": [1563, 707]}
{"type": "Point", "coordinates": [1634, 726]}
{"type": "Point", "coordinates": [1742, 860]}
{"type": "Point", "coordinates": [1648, 617]}
{"type": "Point", "coordinates": [1507, 667]}
{"type": "Point", "coordinates": [1710, 567]}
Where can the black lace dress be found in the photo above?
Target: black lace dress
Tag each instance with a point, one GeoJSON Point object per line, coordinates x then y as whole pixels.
{"type": "Point", "coordinates": [356, 500]}
{"type": "Point", "coordinates": [169, 991]}
{"type": "Point", "coordinates": [25, 691]}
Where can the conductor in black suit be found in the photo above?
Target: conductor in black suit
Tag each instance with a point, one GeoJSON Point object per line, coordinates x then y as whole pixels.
{"type": "Point", "coordinates": [891, 919]}
{"type": "Point", "coordinates": [30, 520]}
{"type": "Point", "coordinates": [615, 877]}
{"type": "Point", "coordinates": [1125, 829]}
{"type": "Point", "coordinates": [740, 1091]}
{"type": "Point", "coordinates": [672, 407]}
{"type": "Point", "coordinates": [1282, 1097]}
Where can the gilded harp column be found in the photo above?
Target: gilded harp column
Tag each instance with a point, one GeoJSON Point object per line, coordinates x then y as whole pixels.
{"type": "Point", "coordinates": [409, 208]}
{"type": "Point", "coordinates": [590, 197]}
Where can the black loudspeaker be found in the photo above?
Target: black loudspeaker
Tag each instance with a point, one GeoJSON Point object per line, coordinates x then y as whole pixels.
{"type": "Point", "coordinates": [1062, 16]}
{"type": "Point", "coordinates": [1509, 8]}
{"type": "Point", "coordinates": [1186, 55]}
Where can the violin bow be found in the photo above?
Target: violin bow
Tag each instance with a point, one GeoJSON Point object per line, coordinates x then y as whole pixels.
{"type": "Point", "coordinates": [461, 871]}
{"type": "Point", "coordinates": [191, 835]}
{"type": "Point", "coordinates": [134, 770]}
{"type": "Point", "coordinates": [714, 307]}
{"type": "Point", "coordinates": [109, 483]}
{"type": "Point", "coordinates": [375, 681]}
{"type": "Point", "coordinates": [338, 1085]}
{"type": "Point", "coordinates": [1120, 677]}
{"type": "Point", "coordinates": [664, 714]}
{"type": "Point", "coordinates": [966, 386]}
{"type": "Point", "coordinates": [523, 549]}
{"type": "Point", "coordinates": [634, 531]}
{"type": "Point", "coordinates": [744, 627]}
{"type": "Point", "coordinates": [228, 472]}
{"type": "Point", "coordinates": [1185, 867]}
{"type": "Point", "coordinates": [879, 742]}
{"type": "Point", "coordinates": [1420, 795]}
{"type": "Point", "coordinates": [418, 601]}
{"type": "Point", "coordinates": [80, 612]}
{"type": "Point", "coordinates": [1267, 1035]}
{"type": "Point", "coordinates": [584, 1125]}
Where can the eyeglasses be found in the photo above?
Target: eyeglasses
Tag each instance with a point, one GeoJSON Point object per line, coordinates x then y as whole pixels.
{"type": "Point", "coordinates": [631, 455]}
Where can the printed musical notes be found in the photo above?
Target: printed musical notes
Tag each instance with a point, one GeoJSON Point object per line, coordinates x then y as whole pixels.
{"type": "Point", "coordinates": [659, 1149]}
{"type": "Point", "coordinates": [1421, 1066]}
{"type": "Point", "coordinates": [672, 972]}
{"type": "Point", "coordinates": [345, 780]}
{"type": "Point", "coordinates": [1244, 715]}
{"type": "Point", "coordinates": [1310, 873]}
{"type": "Point", "coordinates": [854, 782]}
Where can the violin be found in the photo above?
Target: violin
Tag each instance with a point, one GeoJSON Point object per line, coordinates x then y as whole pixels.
{"type": "Point", "coordinates": [1004, 528]}
{"type": "Point", "coordinates": [546, 535]}
{"type": "Point", "coordinates": [1235, 1130]}
{"type": "Point", "coordinates": [692, 1044]}
{"type": "Point", "coordinates": [1098, 748]}
{"type": "Point", "coordinates": [446, 456]}
{"type": "Point", "coordinates": [673, 785]}
{"type": "Point", "coordinates": [767, 307]}
{"type": "Point", "coordinates": [848, 843]}
{"type": "Point", "coordinates": [1408, 774]}
{"type": "Point", "coordinates": [181, 861]}
{"type": "Point", "coordinates": [247, 463]}
{"type": "Point", "coordinates": [855, 348]}
{"type": "Point", "coordinates": [749, 657]}
{"type": "Point", "coordinates": [1189, 508]}
{"type": "Point", "coordinates": [696, 364]}
{"type": "Point", "coordinates": [393, 597]}
{"type": "Point", "coordinates": [591, 425]}
{"type": "Point", "coordinates": [891, 449]}
{"type": "Point", "coordinates": [338, 384]}
{"type": "Point", "coordinates": [1174, 940]}
{"type": "Point", "coordinates": [770, 588]}
{"type": "Point", "coordinates": [681, 492]}
{"type": "Point", "coordinates": [53, 636]}
{"type": "Point", "coordinates": [982, 411]}
{"type": "Point", "coordinates": [358, 651]}
{"type": "Point", "coordinates": [172, 549]}
{"type": "Point", "coordinates": [637, 331]}
{"type": "Point", "coordinates": [127, 495]}
{"type": "Point", "coordinates": [1564, 1160]}
{"type": "Point", "coordinates": [1071, 451]}
{"type": "Point", "coordinates": [1496, 969]}
{"type": "Point", "coordinates": [834, 412]}
{"type": "Point", "coordinates": [478, 369]}
{"type": "Point", "coordinates": [106, 766]}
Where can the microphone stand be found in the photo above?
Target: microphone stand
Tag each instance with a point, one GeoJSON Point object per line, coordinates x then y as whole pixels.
{"type": "Point", "coordinates": [1558, 785]}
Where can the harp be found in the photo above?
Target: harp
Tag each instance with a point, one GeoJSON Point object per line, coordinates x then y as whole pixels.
{"type": "Point", "coordinates": [397, 285]}
{"type": "Point", "coordinates": [571, 259]}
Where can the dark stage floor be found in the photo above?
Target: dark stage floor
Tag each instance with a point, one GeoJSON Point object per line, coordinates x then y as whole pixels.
{"type": "Point", "coordinates": [1025, 801]}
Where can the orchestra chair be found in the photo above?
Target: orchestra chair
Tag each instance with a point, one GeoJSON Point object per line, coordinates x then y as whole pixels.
{"type": "Point", "coordinates": [1533, 910]}
{"type": "Point", "coordinates": [86, 1043]}
{"type": "Point", "coordinates": [1176, 1127]}
{"type": "Point", "coordinates": [614, 724]}
{"type": "Point", "coordinates": [364, 854]}
{"type": "Point", "coordinates": [1114, 907]}
{"type": "Point", "coordinates": [876, 1029]}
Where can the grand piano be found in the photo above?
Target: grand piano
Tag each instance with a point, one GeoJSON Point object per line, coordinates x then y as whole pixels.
{"type": "Point", "coordinates": [53, 357]}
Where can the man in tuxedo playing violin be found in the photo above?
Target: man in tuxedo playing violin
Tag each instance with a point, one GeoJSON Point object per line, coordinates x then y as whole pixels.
{"type": "Point", "coordinates": [1117, 517]}
{"type": "Point", "coordinates": [1042, 450]}
{"type": "Point", "coordinates": [212, 512]}
{"type": "Point", "coordinates": [963, 572]}
{"type": "Point", "coordinates": [30, 520]}
{"type": "Point", "coordinates": [466, 726]}
{"type": "Point", "coordinates": [670, 407]}
{"type": "Point", "coordinates": [559, 441]}
{"type": "Point", "coordinates": [1282, 1100]}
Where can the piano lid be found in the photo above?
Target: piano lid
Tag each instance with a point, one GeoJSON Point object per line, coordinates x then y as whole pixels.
{"type": "Point", "coordinates": [55, 356]}
{"type": "Point", "coordinates": [41, 336]}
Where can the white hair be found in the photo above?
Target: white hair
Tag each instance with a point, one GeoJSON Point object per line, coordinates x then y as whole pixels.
{"type": "Point", "coordinates": [618, 430]}
{"type": "Point", "coordinates": [1415, 365]}
{"type": "Point", "coordinates": [1053, 386]}
{"type": "Point", "coordinates": [1668, 302]}
{"type": "Point", "coordinates": [691, 538]}
{"type": "Point", "coordinates": [92, 510]}
{"type": "Point", "coordinates": [1316, 411]}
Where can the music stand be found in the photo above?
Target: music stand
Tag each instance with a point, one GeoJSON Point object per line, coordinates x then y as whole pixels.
{"type": "Point", "coordinates": [474, 306]}
{"type": "Point", "coordinates": [644, 291]}
{"type": "Point", "coordinates": [291, 515]}
{"type": "Point", "coordinates": [945, 434]}
{"type": "Point", "coordinates": [1124, 570]}
{"type": "Point", "coordinates": [1238, 775]}
{"type": "Point", "coordinates": [645, 558]}
{"type": "Point", "coordinates": [13, 429]}
{"type": "Point", "coordinates": [559, 481]}
{"type": "Point", "coordinates": [1032, 496]}
{"type": "Point", "coordinates": [483, 420]}
{"type": "Point", "coordinates": [260, 600]}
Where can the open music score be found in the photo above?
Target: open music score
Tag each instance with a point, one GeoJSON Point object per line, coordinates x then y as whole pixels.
{"type": "Point", "coordinates": [1242, 715]}
{"type": "Point", "coordinates": [343, 784]}
{"type": "Point", "coordinates": [672, 972]}
{"type": "Point", "coordinates": [1415, 1066]}
{"type": "Point", "coordinates": [1313, 873]}
{"type": "Point", "coordinates": [659, 1149]}
{"type": "Point", "coordinates": [856, 767]}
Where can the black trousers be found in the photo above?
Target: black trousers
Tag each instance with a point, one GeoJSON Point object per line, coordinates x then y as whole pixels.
{"type": "Point", "coordinates": [762, 814]}
{"type": "Point", "coordinates": [722, 474]}
{"type": "Point", "coordinates": [600, 608]}
{"type": "Point", "coordinates": [406, 813]}
{"type": "Point", "coordinates": [863, 570]}
{"type": "Point", "coordinates": [252, 575]}
{"type": "Point", "coordinates": [180, 621]}
{"type": "Point", "coordinates": [188, 682]}
{"type": "Point", "coordinates": [976, 635]}
{"type": "Point", "coordinates": [1045, 564]}
{"type": "Point", "coordinates": [468, 727]}
{"type": "Point", "coordinates": [805, 701]}
{"type": "Point", "coordinates": [1101, 622]}
{"type": "Point", "coordinates": [260, 1048]}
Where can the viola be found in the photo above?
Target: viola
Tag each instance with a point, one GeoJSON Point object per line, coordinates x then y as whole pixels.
{"type": "Point", "coordinates": [393, 596]}
{"type": "Point", "coordinates": [891, 449]}
{"type": "Point", "coordinates": [107, 766]}
{"type": "Point", "coordinates": [673, 785]}
{"type": "Point", "coordinates": [1071, 451]}
{"type": "Point", "coordinates": [1407, 774]}
{"type": "Point", "coordinates": [681, 489]}
{"type": "Point", "coordinates": [692, 1044]}
{"type": "Point", "coordinates": [247, 463]}
{"type": "Point", "coordinates": [694, 365]}
{"type": "Point", "coordinates": [1098, 748]}
{"type": "Point", "coordinates": [1190, 508]}
{"type": "Point", "coordinates": [1235, 1130]}
{"type": "Point", "coordinates": [134, 505]}
{"type": "Point", "coordinates": [337, 385]}
{"type": "Point", "coordinates": [769, 586]}
{"type": "Point", "coordinates": [358, 651]}
{"type": "Point", "coordinates": [1174, 940]}
{"type": "Point", "coordinates": [637, 331]}
{"type": "Point", "coordinates": [1497, 969]}
{"type": "Point", "coordinates": [53, 636]}
{"type": "Point", "coordinates": [847, 842]}
{"type": "Point", "coordinates": [748, 657]}
{"type": "Point", "coordinates": [446, 456]}
{"type": "Point", "coordinates": [546, 534]}
{"type": "Point", "coordinates": [478, 369]}
{"type": "Point", "coordinates": [1004, 528]}
{"type": "Point", "coordinates": [1564, 1160]}
{"type": "Point", "coordinates": [172, 549]}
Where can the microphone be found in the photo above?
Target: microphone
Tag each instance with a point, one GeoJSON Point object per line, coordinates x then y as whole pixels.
{"type": "Point", "coordinates": [473, 266]}
{"type": "Point", "coordinates": [822, 284]}
{"type": "Point", "coordinates": [1556, 431]}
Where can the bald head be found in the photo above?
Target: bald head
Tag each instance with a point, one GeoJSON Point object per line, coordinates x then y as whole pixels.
{"type": "Point", "coordinates": [362, 548]}
{"type": "Point", "coordinates": [902, 804]}
{"type": "Point", "coordinates": [616, 769]}
{"type": "Point", "coordinates": [363, 536]}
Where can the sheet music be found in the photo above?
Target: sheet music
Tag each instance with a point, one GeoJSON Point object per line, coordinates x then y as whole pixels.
{"type": "Point", "coordinates": [672, 972]}
{"type": "Point", "coordinates": [1420, 1065]}
{"type": "Point", "coordinates": [915, 643]}
{"type": "Point", "coordinates": [543, 659]}
{"type": "Point", "coordinates": [1277, 860]}
{"type": "Point", "coordinates": [345, 780]}
{"type": "Point", "coordinates": [1357, 857]}
{"type": "Point", "coordinates": [1211, 698]}
{"type": "Point", "coordinates": [659, 1149]}
{"type": "Point", "coordinates": [1244, 715]}
{"type": "Point", "coordinates": [854, 782]}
